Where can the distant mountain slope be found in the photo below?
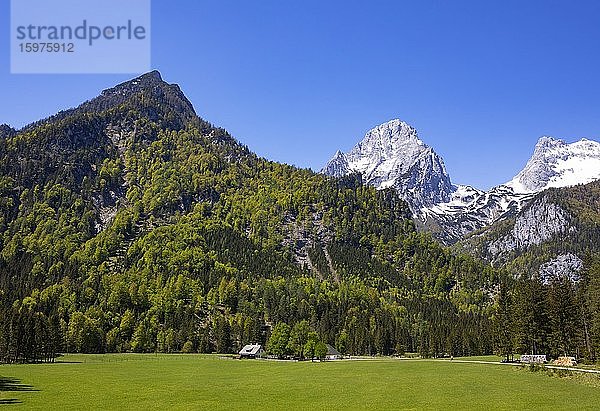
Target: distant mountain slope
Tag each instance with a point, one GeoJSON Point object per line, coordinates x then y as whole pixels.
{"type": "Point", "coordinates": [557, 164]}
{"type": "Point", "coordinates": [553, 164]}
{"type": "Point", "coordinates": [557, 229]}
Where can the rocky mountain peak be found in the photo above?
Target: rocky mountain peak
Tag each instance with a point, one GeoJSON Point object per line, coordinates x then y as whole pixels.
{"type": "Point", "coordinates": [148, 92]}
{"type": "Point", "coordinates": [337, 166]}
{"type": "Point", "coordinates": [148, 81]}
{"type": "Point", "coordinates": [152, 85]}
{"type": "Point", "coordinates": [546, 143]}
{"type": "Point", "coordinates": [390, 136]}
{"type": "Point", "coordinates": [392, 155]}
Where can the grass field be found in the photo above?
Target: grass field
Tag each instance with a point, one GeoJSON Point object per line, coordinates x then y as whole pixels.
{"type": "Point", "coordinates": [132, 381]}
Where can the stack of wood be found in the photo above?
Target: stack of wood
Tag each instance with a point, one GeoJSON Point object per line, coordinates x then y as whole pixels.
{"type": "Point", "coordinates": [565, 361]}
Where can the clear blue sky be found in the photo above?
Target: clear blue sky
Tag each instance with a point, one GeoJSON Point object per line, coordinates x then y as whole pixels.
{"type": "Point", "coordinates": [480, 80]}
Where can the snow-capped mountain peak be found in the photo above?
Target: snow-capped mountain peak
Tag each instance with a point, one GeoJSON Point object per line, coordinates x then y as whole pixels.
{"type": "Point", "coordinates": [392, 155]}
{"type": "Point", "coordinates": [337, 166]}
{"type": "Point", "coordinates": [557, 164]}
{"type": "Point", "coordinates": [388, 137]}
{"type": "Point", "coordinates": [547, 143]}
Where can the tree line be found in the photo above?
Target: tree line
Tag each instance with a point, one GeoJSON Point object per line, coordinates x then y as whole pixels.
{"type": "Point", "coordinates": [555, 317]}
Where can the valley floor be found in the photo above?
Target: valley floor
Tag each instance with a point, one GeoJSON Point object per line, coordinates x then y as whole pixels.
{"type": "Point", "coordinates": [138, 381]}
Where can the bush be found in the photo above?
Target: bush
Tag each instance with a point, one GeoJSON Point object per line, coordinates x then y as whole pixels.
{"type": "Point", "coordinates": [188, 347]}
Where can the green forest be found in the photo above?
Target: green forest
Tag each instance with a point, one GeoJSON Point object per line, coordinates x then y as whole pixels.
{"type": "Point", "coordinates": [129, 224]}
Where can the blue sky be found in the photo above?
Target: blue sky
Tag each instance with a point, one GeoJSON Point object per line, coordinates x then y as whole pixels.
{"type": "Point", "coordinates": [295, 81]}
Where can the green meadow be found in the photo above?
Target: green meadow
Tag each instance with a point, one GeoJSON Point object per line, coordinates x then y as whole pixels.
{"type": "Point", "coordinates": [132, 381]}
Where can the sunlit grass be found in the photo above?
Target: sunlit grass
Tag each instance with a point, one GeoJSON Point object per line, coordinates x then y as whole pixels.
{"type": "Point", "coordinates": [131, 381]}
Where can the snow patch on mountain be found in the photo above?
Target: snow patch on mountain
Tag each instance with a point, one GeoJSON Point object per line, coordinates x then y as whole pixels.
{"type": "Point", "coordinates": [471, 209]}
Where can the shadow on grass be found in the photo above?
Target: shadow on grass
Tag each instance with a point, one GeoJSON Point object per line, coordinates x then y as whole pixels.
{"type": "Point", "coordinates": [10, 401]}
{"type": "Point", "coordinates": [12, 384]}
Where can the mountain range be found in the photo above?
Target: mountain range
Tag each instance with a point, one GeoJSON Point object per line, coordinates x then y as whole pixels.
{"type": "Point", "coordinates": [129, 223]}
{"type": "Point", "coordinates": [392, 155]}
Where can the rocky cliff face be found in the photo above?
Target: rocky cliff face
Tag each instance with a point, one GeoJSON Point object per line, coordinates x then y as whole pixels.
{"type": "Point", "coordinates": [540, 221]}
{"type": "Point", "coordinates": [563, 266]}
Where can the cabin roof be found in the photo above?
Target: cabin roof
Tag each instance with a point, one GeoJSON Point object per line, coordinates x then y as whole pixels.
{"type": "Point", "coordinates": [332, 351]}
{"type": "Point", "coordinates": [251, 349]}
